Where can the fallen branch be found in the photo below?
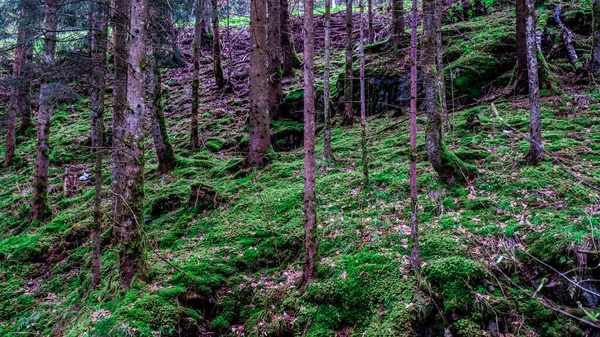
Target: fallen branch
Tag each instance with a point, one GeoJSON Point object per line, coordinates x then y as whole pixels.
{"type": "Point", "coordinates": [567, 37]}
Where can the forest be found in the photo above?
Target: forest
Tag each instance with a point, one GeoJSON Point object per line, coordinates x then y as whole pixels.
{"type": "Point", "coordinates": [295, 168]}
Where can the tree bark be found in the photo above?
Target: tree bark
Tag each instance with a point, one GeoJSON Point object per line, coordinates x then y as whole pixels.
{"type": "Point", "coordinates": [521, 78]}
{"type": "Point", "coordinates": [536, 149]}
{"type": "Point", "coordinates": [27, 67]}
{"type": "Point", "coordinates": [216, 47]}
{"type": "Point", "coordinates": [370, 22]}
{"type": "Point", "coordinates": [348, 119]}
{"type": "Point", "coordinates": [290, 60]}
{"type": "Point", "coordinates": [98, 50]}
{"type": "Point", "coordinates": [567, 37]}
{"type": "Point", "coordinates": [158, 127]}
{"type": "Point", "coordinates": [363, 99]}
{"type": "Point", "coordinates": [128, 229]}
{"type": "Point", "coordinates": [39, 205]}
{"type": "Point", "coordinates": [415, 260]}
{"type": "Point", "coordinates": [260, 138]}
{"type": "Point", "coordinates": [596, 37]}
{"type": "Point", "coordinates": [310, 217]}
{"type": "Point", "coordinates": [326, 89]}
{"type": "Point", "coordinates": [440, 68]}
{"type": "Point", "coordinates": [274, 62]}
{"type": "Point", "coordinates": [397, 23]}
{"type": "Point", "coordinates": [194, 136]}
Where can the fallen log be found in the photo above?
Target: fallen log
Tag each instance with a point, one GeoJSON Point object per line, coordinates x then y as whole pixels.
{"type": "Point", "coordinates": [567, 37]}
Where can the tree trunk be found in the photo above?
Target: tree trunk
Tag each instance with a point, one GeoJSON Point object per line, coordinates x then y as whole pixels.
{"type": "Point", "coordinates": [446, 164]}
{"type": "Point", "coordinates": [370, 23]}
{"type": "Point", "coordinates": [348, 119]}
{"type": "Point", "coordinates": [363, 99]}
{"type": "Point", "coordinates": [415, 260]}
{"type": "Point", "coordinates": [290, 60]}
{"type": "Point", "coordinates": [536, 149]}
{"type": "Point", "coordinates": [274, 62]}
{"type": "Point", "coordinates": [397, 23]}
{"type": "Point", "coordinates": [310, 217]}
{"type": "Point", "coordinates": [596, 37]}
{"type": "Point", "coordinates": [27, 67]}
{"type": "Point", "coordinates": [98, 50]}
{"type": "Point", "coordinates": [216, 46]}
{"type": "Point", "coordinates": [194, 136]}
{"type": "Point", "coordinates": [521, 78]}
{"type": "Point", "coordinates": [326, 89]}
{"type": "Point", "coordinates": [39, 205]}
{"type": "Point", "coordinates": [260, 138]}
{"type": "Point", "coordinates": [158, 127]}
{"type": "Point", "coordinates": [128, 229]}
{"type": "Point", "coordinates": [440, 68]}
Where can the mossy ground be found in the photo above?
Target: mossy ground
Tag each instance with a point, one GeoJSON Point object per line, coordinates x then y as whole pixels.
{"type": "Point", "coordinates": [239, 263]}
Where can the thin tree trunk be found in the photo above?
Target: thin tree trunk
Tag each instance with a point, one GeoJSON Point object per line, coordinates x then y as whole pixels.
{"type": "Point", "coordinates": [370, 23]}
{"type": "Point", "coordinates": [440, 68]}
{"type": "Point", "coordinates": [290, 60]}
{"type": "Point", "coordinates": [194, 136]}
{"type": "Point", "coordinates": [415, 260]}
{"type": "Point", "coordinates": [567, 37]}
{"type": "Point", "coordinates": [521, 78]}
{"type": "Point", "coordinates": [158, 127]}
{"type": "Point", "coordinates": [216, 46]}
{"type": "Point", "coordinates": [310, 217]}
{"type": "Point", "coordinates": [363, 107]}
{"type": "Point", "coordinates": [27, 67]}
{"type": "Point", "coordinates": [98, 49]}
{"type": "Point", "coordinates": [326, 89]}
{"type": "Point", "coordinates": [260, 138]}
{"type": "Point", "coordinates": [536, 149]}
{"type": "Point", "coordinates": [39, 205]}
{"type": "Point", "coordinates": [596, 37]}
{"type": "Point", "coordinates": [274, 62]}
{"type": "Point", "coordinates": [397, 23]}
{"type": "Point", "coordinates": [348, 119]}
{"type": "Point", "coordinates": [128, 229]}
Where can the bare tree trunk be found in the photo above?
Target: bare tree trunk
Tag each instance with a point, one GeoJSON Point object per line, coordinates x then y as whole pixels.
{"type": "Point", "coordinates": [260, 138]}
{"type": "Point", "coordinates": [363, 99]}
{"type": "Point", "coordinates": [310, 217]}
{"type": "Point", "coordinates": [415, 259]}
{"type": "Point", "coordinates": [596, 37]}
{"type": "Point", "coordinates": [98, 49]}
{"type": "Point", "coordinates": [536, 149]}
{"type": "Point", "coordinates": [567, 37]}
{"type": "Point", "coordinates": [326, 89]}
{"type": "Point", "coordinates": [348, 119]}
{"type": "Point", "coordinates": [158, 127]}
{"type": "Point", "coordinates": [274, 63]}
{"type": "Point", "coordinates": [521, 75]}
{"type": "Point", "coordinates": [194, 136]}
{"type": "Point", "coordinates": [370, 23]}
{"type": "Point", "coordinates": [440, 68]}
{"type": "Point", "coordinates": [128, 229]}
{"type": "Point", "coordinates": [216, 45]}
{"type": "Point", "coordinates": [39, 205]}
{"type": "Point", "coordinates": [290, 60]}
{"type": "Point", "coordinates": [397, 23]}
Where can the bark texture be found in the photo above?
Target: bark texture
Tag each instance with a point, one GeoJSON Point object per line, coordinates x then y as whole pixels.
{"type": "Point", "coordinates": [536, 150]}
{"type": "Point", "coordinates": [347, 118]}
{"type": "Point", "coordinates": [310, 216]}
{"type": "Point", "coordinates": [397, 23]}
{"type": "Point", "coordinates": [130, 215]}
{"type": "Point", "coordinates": [326, 88]}
{"type": "Point", "coordinates": [39, 207]}
{"type": "Point", "coordinates": [415, 260]}
{"type": "Point", "coordinates": [290, 60]}
{"type": "Point", "coordinates": [274, 64]}
{"type": "Point", "coordinates": [27, 67]}
{"type": "Point", "coordinates": [371, 32]}
{"type": "Point", "coordinates": [596, 37]}
{"type": "Point", "coordinates": [260, 138]}
{"type": "Point", "coordinates": [363, 99]}
{"type": "Point", "coordinates": [158, 127]}
{"type": "Point", "coordinates": [194, 135]}
{"type": "Point", "coordinates": [521, 77]}
{"type": "Point", "coordinates": [216, 46]}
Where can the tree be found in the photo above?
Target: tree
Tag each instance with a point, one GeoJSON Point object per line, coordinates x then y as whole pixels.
{"type": "Point", "coordinates": [440, 69]}
{"type": "Point", "coordinates": [131, 179]}
{"type": "Point", "coordinates": [98, 52]}
{"type": "Point", "coordinates": [310, 216]}
{"type": "Point", "coordinates": [521, 77]}
{"type": "Point", "coordinates": [415, 260]}
{"type": "Point", "coordinates": [39, 205]}
{"type": "Point", "coordinates": [28, 68]}
{"type": "Point", "coordinates": [370, 21]}
{"type": "Point", "coordinates": [326, 89]}
{"type": "Point", "coordinates": [397, 38]}
{"type": "Point", "coordinates": [363, 107]}
{"type": "Point", "coordinates": [596, 37]}
{"type": "Point", "coordinates": [260, 138]}
{"type": "Point", "coordinates": [194, 137]}
{"type": "Point", "coordinates": [348, 119]}
{"type": "Point", "coordinates": [216, 46]}
{"type": "Point", "coordinates": [290, 60]}
{"type": "Point", "coordinates": [446, 164]}
{"type": "Point", "coordinates": [274, 53]}
{"type": "Point", "coordinates": [536, 149]}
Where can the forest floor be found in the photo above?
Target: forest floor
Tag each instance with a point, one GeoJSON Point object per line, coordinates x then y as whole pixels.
{"type": "Point", "coordinates": [499, 253]}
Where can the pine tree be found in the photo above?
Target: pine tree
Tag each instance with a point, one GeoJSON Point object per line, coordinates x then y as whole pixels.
{"type": "Point", "coordinates": [216, 46]}
{"type": "Point", "coordinates": [194, 136]}
{"type": "Point", "coordinates": [415, 260]}
{"type": "Point", "coordinates": [290, 60]}
{"type": "Point", "coordinates": [274, 53]}
{"type": "Point", "coordinates": [363, 107]}
{"type": "Point", "coordinates": [596, 37]}
{"type": "Point", "coordinates": [348, 114]}
{"type": "Point", "coordinates": [536, 149]}
{"type": "Point", "coordinates": [326, 89]}
{"type": "Point", "coordinates": [397, 38]}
